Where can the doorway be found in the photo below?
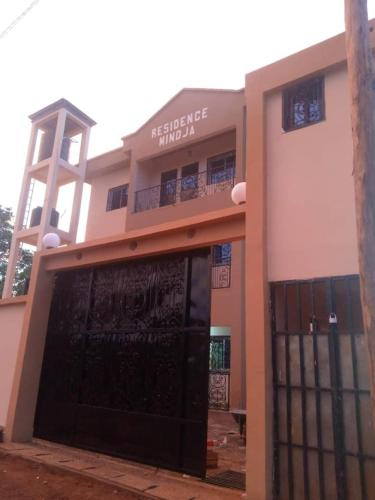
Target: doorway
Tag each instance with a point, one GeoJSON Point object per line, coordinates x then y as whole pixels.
{"type": "Point", "coordinates": [168, 188]}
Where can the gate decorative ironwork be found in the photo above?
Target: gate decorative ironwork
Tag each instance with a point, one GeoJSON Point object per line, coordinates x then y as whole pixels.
{"type": "Point", "coordinates": [323, 435]}
{"type": "Point", "coordinates": [125, 369]}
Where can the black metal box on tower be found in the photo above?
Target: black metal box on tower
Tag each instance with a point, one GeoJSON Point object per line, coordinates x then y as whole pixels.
{"type": "Point", "coordinates": [36, 217]}
{"type": "Point", "coordinates": [46, 145]}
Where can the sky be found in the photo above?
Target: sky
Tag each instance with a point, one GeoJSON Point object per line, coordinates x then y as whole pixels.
{"type": "Point", "coordinates": [119, 61]}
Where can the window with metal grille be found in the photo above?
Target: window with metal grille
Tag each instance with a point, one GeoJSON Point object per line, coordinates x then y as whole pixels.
{"type": "Point", "coordinates": [221, 265]}
{"type": "Point", "coordinates": [189, 182]}
{"type": "Point", "coordinates": [219, 358]}
{"type": "Point", "coordinates": [221, 168]}
{"type": "Point", "coordinates": [303, 104]}
{"type": "Point", "coordinates": [221, 254]}
{"type": "Point", "coordinates": [117, 197]}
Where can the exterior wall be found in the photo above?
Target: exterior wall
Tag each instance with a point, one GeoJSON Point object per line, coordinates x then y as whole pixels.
{"type": "Point", "coordinates": [198, 152]}
{"type": "Point", "coordinates": [223, 111]}
{"type": "Point", "coordinates": [260, 84]}
{"type": "Point", "coordinates": [101, 223]}
{"type": "Point", "coordinates": [178, 211]}
{"type": "Point", "coordinates": [221, 130]}
{"type": "Point", "coordinates": [311, 218]}
{"type": "Point", "coordinates": [11, 319]}
{"type": "Point", "coordinates": [226, 310]}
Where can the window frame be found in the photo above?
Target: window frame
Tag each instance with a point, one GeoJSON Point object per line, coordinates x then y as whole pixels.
{"type": "Point", "coordinates": [123, 202]}
{"type": "Point", "coordinates": [222, 259]}
{"type": "Point", "coordinates": [219, 358]}
{"type": "Point", "coordinates": [221, 266]}
{"type": "Point", "coordinates": [168, 187]}
{"type": "Point", "coordinates": [189, 182]}
{"type": "Point", "coordinates": [288, 122]}
{"type": "Point", "coordinates": [223, 156]}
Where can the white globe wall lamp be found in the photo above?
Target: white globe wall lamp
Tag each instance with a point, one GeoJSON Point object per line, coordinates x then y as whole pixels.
{"type": "Point", "coordinates": [238, 193]}
{"type": "Point", "coordinates": [51, 240]}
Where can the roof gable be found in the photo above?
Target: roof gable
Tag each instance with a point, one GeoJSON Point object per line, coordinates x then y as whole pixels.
{"type": "Point", "coordinates": [191, 115]}
{"type": "Point", "coordinates": [179, 97]}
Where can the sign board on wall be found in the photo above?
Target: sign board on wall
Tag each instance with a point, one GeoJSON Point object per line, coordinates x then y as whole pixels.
{"type": "Point", "coordinates": [179, 128]}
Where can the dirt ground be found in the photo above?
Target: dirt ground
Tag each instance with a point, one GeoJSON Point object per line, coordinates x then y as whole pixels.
{"type": "Point", "coordinates": [230, 446]}
{"type": "Point", "coordinates": [25, 480]}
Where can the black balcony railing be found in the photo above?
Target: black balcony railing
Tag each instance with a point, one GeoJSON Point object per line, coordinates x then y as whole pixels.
{"type": "Point", "coordinates": [183, 189]}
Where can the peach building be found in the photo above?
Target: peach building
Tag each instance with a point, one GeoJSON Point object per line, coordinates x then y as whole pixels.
{"type": "Point", "coordinates": [184, 162]}
{"type": "Point", "coordinates": [264, 294]}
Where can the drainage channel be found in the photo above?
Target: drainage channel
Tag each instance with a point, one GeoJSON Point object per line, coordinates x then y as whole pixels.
{"type": "Point", "coordinates": [228, 479]}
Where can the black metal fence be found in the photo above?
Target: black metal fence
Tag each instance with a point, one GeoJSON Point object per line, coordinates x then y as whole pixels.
{"type": "Point", "coordinates": [183, 189]}
{"type": "Point", "coordinates": [323, 434]}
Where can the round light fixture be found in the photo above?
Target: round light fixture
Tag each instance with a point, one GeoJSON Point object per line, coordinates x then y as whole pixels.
{"type": "Point", "coordinates": [238, 193]}
{"type": "Point", "coordinates": [51, 240]}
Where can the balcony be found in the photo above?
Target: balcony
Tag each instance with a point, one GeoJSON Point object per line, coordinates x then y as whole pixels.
{"type": "Point", "coordinates": [184, 189]}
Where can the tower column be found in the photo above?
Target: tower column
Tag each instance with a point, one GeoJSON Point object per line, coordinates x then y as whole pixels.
{"type": "Point", "coordinates": [51, 192]}
{"type": "Point", "coordinates": [19, 219]}
{"type": "Point", "coordinates": [79, 184]}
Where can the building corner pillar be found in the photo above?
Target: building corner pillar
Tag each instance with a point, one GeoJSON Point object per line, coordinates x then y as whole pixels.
{"type": "Point", "coordinates": [259, 428]}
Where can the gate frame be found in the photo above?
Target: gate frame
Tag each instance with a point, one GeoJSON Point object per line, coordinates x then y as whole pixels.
{"type": "Point", "coordinates": [188, 234]}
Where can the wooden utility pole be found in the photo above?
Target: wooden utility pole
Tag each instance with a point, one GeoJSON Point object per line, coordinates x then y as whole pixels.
{"type": "Point", "coordinates": [362, 91]}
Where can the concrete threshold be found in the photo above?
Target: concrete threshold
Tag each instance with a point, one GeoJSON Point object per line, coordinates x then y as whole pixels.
{"type": "Point", "coordinates": [151, 482]}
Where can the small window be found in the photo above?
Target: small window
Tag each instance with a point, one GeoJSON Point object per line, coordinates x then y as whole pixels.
{"type": "Point", "coordinates": [221, 168]}
{"type": "Point", "coordinates": [117, 197]}
{"type": "Point", "coordinates": [221, 254]}
{"type": "Point", "coordinates": [219, 353]}
{"type": "Point", "coordinates": [303, 104]}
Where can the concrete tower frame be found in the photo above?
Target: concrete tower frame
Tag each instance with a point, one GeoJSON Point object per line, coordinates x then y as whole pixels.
{"type": "Point", "coordinates": [61, 121]}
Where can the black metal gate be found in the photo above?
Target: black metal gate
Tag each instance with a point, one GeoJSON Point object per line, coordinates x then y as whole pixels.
{"type": "Point", "coordinates": [324, 440]}
{"type": "Point", "coordinates": [125, 368]}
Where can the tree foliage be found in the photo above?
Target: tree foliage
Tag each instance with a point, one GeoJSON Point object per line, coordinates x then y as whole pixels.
{"type": "Point", "coordinates": [23, 268]}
